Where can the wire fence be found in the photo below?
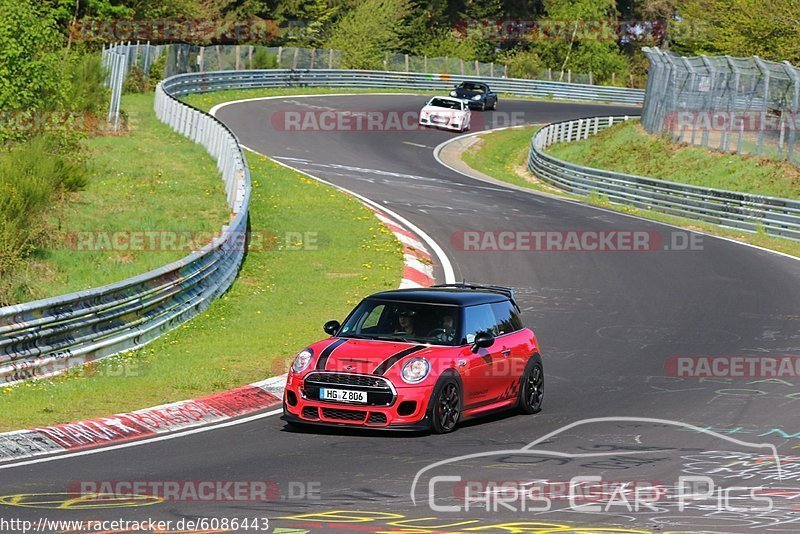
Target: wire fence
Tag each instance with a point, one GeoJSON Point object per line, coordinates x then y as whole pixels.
{"type": "Point", "coordinates": [142, 55]}
{"type": "Point", "coordinates": [744, 105]}
{"type": "Point", "coordinates": [186, 58]}
{"type": "Point", "coordinates": [183, 58]}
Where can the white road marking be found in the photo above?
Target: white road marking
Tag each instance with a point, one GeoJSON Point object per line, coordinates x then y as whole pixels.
{"type": "Point", "coordinates": [416, 144]}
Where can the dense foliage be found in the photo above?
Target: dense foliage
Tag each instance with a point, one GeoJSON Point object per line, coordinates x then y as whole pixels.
{"type": "Point", "coordinates": [365, 30]}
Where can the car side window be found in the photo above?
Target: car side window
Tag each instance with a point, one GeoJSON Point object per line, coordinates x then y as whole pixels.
{"type": "Point", "coordinates": [507, 318]}
{"type": "Point", "coordinates": [478, 319]}
{"type": "Point", "coordinates": [374, 317]}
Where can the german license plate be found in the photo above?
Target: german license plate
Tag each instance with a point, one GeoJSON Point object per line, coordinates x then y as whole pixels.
{"type": "Point", "coordinates": [343, 395]}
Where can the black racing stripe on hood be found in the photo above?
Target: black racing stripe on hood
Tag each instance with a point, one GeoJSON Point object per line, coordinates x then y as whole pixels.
{"type": "Point", "coordinates": [393, 359]}
{"type": "Point", "coordinates": [326, 353]}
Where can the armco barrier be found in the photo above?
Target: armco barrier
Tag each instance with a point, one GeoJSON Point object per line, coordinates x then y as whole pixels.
{"type": "Point", "coordinates": [43, 338]}
{"type": "Point", "coordinates": [184, 84]}
{"type": "Point", "coordinates": [777, 216]}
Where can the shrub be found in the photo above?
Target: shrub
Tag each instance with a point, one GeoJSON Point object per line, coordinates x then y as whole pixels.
{"type": "Point", "coordinates": [33, 177]}
{"type": "Point", "coordinates": [262, 59]}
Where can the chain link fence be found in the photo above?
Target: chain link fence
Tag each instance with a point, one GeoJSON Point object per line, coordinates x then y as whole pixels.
{"type": "Point", "coordinates": [744, 105]}
{"type": "Point", "coordinates": [183, 58]}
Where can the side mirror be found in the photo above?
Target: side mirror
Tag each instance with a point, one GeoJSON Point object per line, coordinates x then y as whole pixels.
{"type": "Point", "coordinates": [331, 327]}
{"type": "Point", "coordinates": [483, 340]}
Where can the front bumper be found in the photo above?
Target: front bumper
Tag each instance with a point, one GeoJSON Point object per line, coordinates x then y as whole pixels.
{"type": "Point", "coordinates": [420, 426]}
{"type": "Point", "coordinates": [406, 411]}
{"type": "Point", "coordinates": [447, 126]}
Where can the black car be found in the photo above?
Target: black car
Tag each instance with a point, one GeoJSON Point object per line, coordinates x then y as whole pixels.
{"type": "Point", "coordinates": [477, 94]}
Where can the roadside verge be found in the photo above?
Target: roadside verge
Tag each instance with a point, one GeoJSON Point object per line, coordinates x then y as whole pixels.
{"type": "Point", "coordinates": [516, 176]}
{"type": "Point", "coordinates": [182, 415]}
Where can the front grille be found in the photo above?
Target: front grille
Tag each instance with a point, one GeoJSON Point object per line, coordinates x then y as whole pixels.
{"type": "Point", "coordinates": [344, 415]}
{"type": "Point", "coordinates": [379, 389]}
{"type": "Point", "coordinates": [377, 418]}
{"type": "Point", "coordinates": [345, 379]}
{"type": "Point", "coordinates": [310, 412]}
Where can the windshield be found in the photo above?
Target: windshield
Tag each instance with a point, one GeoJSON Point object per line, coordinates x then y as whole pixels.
{"type": "Point", "coordinates": [472, 87]}
{"type": "Point", "coordinates": [442, 103]}
{"type": "Point", "coordinates": [387, 320]}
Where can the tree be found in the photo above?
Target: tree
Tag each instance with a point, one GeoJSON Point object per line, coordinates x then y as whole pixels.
{"type": "Point", "coordinates": [580, 36]}
{"type": "Point", "coordinates": [367, 32]}
{"type": "Point", "coordinates": [30, 78]}
{"type": "Point", "coordinates": [767, 28]}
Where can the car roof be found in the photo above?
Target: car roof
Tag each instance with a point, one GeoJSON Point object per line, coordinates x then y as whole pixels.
{"type": "Point", "coordinates": [442, 295]}
{"type": "Point", "coordinates": [474, 83]}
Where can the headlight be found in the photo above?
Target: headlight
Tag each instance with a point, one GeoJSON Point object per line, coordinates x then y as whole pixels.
{"type": "Point", "coordinates": [302, 360]}
{"type": "Point", "coordinates": [476, 97]}
{"type": "Point", "coordinates": [415, 370]}
{"type": "Point", "coordinates": [453, 93]}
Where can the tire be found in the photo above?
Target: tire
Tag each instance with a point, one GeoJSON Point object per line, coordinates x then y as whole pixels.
{"type": "Point", "coordinates": [483, 105]}
{"type": "Point", "coordinates": [494, 104]}
{"type": "Point", "coordinates": [531, 386]}
{"type": "Point", "coordinates": [445, 407]}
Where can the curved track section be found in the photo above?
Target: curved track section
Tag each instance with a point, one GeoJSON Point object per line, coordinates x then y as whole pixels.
{"type": "Point", "coordinates": [610, 324]}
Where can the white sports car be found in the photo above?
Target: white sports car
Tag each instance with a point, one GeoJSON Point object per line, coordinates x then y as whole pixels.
{"type": "Point", "coordinates": [446, 112]}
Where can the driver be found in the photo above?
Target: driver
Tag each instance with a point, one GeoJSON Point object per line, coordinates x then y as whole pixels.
{"type": "Point", "coordinates": [448, 329]}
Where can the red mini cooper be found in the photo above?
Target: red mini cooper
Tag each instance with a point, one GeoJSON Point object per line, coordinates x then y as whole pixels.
{"type": "Point", "coordinates": [418, 359]}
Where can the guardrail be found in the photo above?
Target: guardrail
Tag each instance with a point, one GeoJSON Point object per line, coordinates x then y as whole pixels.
{"type": "Point", "coordinates": [776, 216]}
{"type": "Point", "coordinates": [45, 337]}
{"type": "Point", "coordinates": [184, 84]}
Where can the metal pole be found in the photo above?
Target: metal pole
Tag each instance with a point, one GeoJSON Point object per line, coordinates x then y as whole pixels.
{"type": "Point", "coordinates": [794, 75]}
{"type": "Point", "coordinates": [765, 71]}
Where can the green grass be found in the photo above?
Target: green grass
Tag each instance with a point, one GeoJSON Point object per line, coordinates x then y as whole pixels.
{"type": "Point", "coordinates": [628, 148]}
{"type": "Point", "coordinates": [148, 179]}
{"type": "Point", "coordinates": [501, 153]}
{"type": "Point", "coordinates": [275, 308]}
{"type": "Point", "coordinates": [504, 155]}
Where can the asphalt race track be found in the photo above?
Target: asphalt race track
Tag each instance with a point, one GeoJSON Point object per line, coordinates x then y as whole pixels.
{"type": "Point", "coordinates": [608, 323]}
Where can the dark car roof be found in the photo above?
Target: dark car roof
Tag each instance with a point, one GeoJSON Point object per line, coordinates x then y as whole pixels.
{"type": "Point", "coordinates": [450, 296]}
{"type": "Point", "coordinates": [481, 84]}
